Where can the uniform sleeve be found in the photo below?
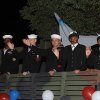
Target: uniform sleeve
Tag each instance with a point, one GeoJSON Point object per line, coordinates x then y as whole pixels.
{"type": "Point", "coordinates": [63, 59]}
{"type": "Point", "coordinates": [21, 57]}
{"type": "Point", "coordinates": [83, 59]}
{"type": "Point", "coordinates": [60, 64]}
{"type": "Point", "coordinates": [22, 53]}
{"type": "Point", "coordinates": [90, 61]}
{"type": "Point", "coordinates": [24, 69]}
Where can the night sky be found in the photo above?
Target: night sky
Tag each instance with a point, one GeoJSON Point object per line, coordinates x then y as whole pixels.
{"type": "Point", "coordinates": [11, 21]}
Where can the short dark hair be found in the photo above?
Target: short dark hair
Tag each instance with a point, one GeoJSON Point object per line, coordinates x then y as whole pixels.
{"type": "Point", "coordinates": [98, 38]}
{"type": "Point", "coordinates": [73, 34]}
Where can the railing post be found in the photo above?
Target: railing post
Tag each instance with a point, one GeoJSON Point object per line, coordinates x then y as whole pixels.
{"type": "Point", "coordinates": [63, 83]}
{"type": "Point", "coordinates": [33, 85]}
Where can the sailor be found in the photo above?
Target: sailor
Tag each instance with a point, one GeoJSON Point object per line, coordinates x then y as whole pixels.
{"type": "Point", "coordinates": [31, 58]}
{"type": "Point", "coordinates": [74, 56]}
{"type": "Point", "coordinates": [95, 55]}
{"type": "Point", "coordinates": [10, 62]}
{"type": "Point", "coordinates": [53, 55]}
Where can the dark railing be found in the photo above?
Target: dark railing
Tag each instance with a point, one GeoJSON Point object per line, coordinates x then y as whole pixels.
{"type": "Point", "coordinates": [32, 86]}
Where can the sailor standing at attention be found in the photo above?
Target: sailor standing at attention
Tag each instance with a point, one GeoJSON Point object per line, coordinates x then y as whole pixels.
{"type": "Point", "coordinates": [74, 55]}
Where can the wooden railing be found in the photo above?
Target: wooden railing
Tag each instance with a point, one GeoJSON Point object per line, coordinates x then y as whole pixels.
{"type": "Point", "coordinates": [32, 86]}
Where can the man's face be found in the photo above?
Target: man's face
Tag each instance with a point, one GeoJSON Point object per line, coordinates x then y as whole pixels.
{"type": "Point", "coordinates": [33, 41]}
{"type": "Point", "coordinates": [56, 42]}
{"type": "Point", "coordinates": [7, 40]}
{"type": "Point", "coordinates": [98, 42]}
{"type": "Point", "coordinates": [74, 39]}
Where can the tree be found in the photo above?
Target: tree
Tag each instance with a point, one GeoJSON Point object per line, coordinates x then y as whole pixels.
{"type": "Point", "coordinates": [81, 15]}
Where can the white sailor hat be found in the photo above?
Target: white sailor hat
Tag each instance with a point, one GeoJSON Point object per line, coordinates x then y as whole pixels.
{"type": "Point", "coordinates": [7, 36]}
{"type": "Point", "coordinates": [56, 36]}
{"type": "Point", "coordinates": [98, 36]}
{"type": "Point", "coordinates": [73, 33]}
{"type": "Point", "coordinates": [32, 36]}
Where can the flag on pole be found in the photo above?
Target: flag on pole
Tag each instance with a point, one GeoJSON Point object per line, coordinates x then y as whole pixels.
{"type": "Point", "coordinates": [65, 30]}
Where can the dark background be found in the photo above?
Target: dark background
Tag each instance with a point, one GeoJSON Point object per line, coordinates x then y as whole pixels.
{"type": "Point", "coordinates": [11, 21]}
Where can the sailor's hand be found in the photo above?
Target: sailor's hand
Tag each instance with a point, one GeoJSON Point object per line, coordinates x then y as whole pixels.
{"type": "Point", "coordinates": [8, 73]}
{"type": "Point", "coordinates": [10, 45]}
{"type": "Point", "coordinates": [51, 73]}
{"type": "Point", "coordinates": [25, 73]}
{"type": "Point", "coordinates": [88, 51]}
{"type": "Point", "coordinates": [76, 71]}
